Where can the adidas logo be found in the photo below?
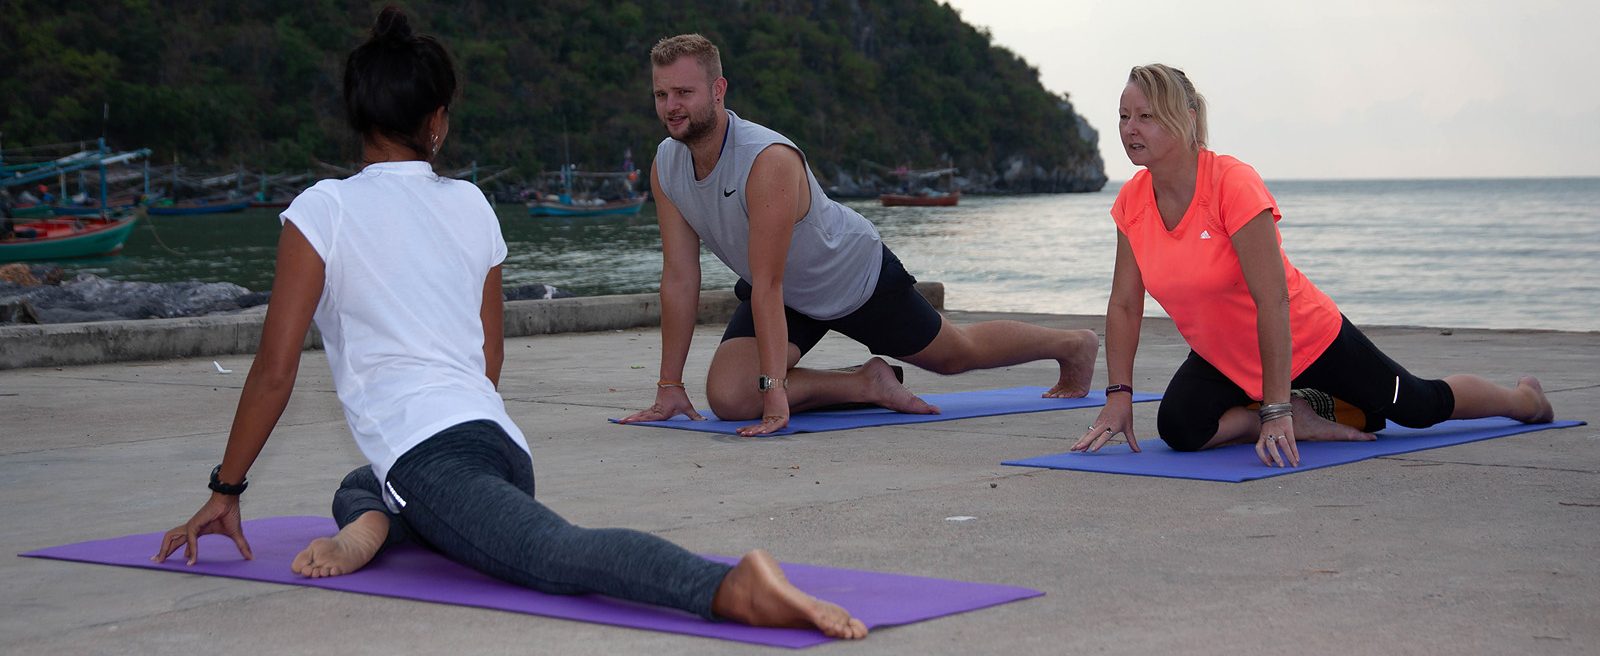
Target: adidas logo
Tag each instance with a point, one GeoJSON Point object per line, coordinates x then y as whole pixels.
{"type": "Point", "coordinates": [1205, 234]}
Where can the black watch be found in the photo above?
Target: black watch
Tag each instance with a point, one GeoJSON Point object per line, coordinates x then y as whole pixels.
{"type": "Point", "coordinates": [765, 382]}
{"type": "Point", "coordinates": [220, 487]}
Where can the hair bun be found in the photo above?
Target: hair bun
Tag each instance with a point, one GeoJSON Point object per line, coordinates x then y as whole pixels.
{"type": "Point", "coordinates": [392, 24]}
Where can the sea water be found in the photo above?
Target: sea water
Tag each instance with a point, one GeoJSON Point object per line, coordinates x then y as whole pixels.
{"type": "Point", "coordinates": [1513, 253]}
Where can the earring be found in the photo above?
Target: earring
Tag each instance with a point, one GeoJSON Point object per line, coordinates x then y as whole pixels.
{"type": "Point", "coordinates": [435, 142]}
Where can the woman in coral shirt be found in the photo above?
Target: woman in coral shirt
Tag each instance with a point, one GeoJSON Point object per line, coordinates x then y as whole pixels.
{"type": "Point", "coordinates": [1198, 231]}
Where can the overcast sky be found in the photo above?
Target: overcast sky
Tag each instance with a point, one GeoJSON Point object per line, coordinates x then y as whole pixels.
{"type": "Point", "coordinates": [1340, 88]}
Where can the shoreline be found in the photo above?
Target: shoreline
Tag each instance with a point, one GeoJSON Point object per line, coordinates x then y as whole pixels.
{"type": "Point", "coordinates": [104, 342]}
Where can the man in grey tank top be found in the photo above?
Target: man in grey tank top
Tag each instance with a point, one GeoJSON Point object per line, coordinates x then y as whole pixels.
{"type": "Point", "coordinates": [806, 265]}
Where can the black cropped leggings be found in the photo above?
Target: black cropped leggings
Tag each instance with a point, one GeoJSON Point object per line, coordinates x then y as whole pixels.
{"type": "Point", "coordinates": [467, 493]}
{"type": "Point", "coordinates": [1352, 370]}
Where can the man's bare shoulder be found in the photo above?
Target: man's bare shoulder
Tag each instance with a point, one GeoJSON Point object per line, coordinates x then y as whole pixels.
{"type": "Point", "coordinates": [776, 161]}
{"type": "Point", "coordinates": [778, 154]}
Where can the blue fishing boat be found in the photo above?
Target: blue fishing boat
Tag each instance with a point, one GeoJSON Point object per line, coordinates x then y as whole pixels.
{"type": "Point", "coordinates": [575, 207]}
{"type": "Point", "coordinates": [92, 208]}
{"type": "Point", "coordinates": [573, 193]}
{"type": "Point", "coordinates": [39, 172]}
{"type": "Point", "coordinates": [191, 208]}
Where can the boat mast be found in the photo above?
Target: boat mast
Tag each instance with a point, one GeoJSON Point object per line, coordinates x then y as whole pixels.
{"type": "Point", "coordinates": [104, 210]}
{"type": "Point", "coordinates": [566, 161]}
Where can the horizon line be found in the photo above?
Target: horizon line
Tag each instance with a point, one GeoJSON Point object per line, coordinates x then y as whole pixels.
{"type": "Point", "coordinates": [1434, 179]}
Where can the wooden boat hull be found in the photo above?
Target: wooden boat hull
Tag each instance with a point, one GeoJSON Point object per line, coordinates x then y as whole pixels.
{"type": "Point", "coordinates": [906, 200]}
{"type": "Point", "coordinates": [66, 238]}
{"type": "Point", "coordinates": [554, 208]}
{"type": "Point", "coordinates": [187, 210]}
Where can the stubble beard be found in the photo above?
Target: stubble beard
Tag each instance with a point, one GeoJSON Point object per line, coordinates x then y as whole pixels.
{"type": "Point", "coordinates": [699, 126]}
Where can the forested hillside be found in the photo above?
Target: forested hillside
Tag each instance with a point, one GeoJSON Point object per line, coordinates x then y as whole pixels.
{"type": "Point", "coordinates": [859, 85]}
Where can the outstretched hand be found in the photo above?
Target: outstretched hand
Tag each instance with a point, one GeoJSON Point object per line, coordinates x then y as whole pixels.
{"type": "Point", "coordinates": [769, 424]}
{"type": "Point", "coordinates": [670, 402]}
{"type": "Point", "coordinates": [219, 516]}
{"type": "Point", "coordinates": [774, 414]}
{"type": "Point", "coordinates": [1115, 418]}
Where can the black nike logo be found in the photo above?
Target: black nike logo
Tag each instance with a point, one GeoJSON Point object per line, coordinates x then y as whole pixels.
{"type": "Point", "coordinates": [728, 192]}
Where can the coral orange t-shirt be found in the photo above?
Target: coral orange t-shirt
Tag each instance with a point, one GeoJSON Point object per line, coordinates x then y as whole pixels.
{"type": "Point", "coordinates": [1194, 273]}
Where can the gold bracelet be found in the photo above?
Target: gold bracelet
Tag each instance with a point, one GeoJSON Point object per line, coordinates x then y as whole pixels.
{"type": "Point", "coordinates": [663, 384]}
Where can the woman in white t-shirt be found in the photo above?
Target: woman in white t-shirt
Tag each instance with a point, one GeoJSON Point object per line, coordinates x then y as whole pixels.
{"type": "Point", "coordinates": [400, 269]}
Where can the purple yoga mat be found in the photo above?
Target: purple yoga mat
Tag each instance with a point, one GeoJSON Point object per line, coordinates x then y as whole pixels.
{"type": "Point", "coordinates": [410, 572]}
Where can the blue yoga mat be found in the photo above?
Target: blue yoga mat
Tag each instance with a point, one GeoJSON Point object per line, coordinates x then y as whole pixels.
{"type": "Point", "coordinates": [1238, 463]}
{"type": "Point", "coordinates": [956, 405]}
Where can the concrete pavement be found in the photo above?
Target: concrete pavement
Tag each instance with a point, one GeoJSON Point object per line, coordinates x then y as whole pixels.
{"type": "Point", "coordinates": [1484, 548]}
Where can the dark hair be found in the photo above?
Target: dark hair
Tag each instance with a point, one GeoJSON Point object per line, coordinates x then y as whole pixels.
{"type": "Point", "coordinates": [395, 80]}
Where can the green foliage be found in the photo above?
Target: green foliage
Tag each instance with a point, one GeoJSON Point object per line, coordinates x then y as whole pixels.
{"type": "Point", "coordinates": [257, 83]}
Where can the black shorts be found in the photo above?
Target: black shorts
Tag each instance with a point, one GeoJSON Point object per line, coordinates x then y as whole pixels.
{"type": "Point", "coordinates": [1352, 370]}
{"type": "Point", "coordinates": [895, 322]}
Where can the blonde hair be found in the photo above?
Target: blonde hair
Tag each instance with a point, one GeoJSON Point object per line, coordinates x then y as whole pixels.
{"type": "Point", "coordinates": [673, 48]}
{"type": "Point", "coordinates": [1171, 97]}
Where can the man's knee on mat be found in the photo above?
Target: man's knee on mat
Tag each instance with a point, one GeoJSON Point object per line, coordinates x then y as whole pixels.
{"type": "Point", "coordinates": [731, 403]}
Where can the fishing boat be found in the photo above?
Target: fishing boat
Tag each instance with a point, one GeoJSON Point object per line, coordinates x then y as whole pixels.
{"type": "Point", "coordinates": [913, 196]}
{"type": "Point", "coordinates": [580, 207]}
{"type": "Point", "coordinates": [61, 238]}
{"type": "Point", "coordinates": [587, 193]}
{"type": "Point", "coordinates": [87, 210]}
{"type": "Point", "coordinates": [277, 190]}
{"type": "Point", "coordinates": [934, 199]}
{"type": "Point", "coordinates": [44, 168]}
{"type": "Point", "coordinates": [197, 207]}
{"type": "Point", "coordinates": [34, 211]}
{"type": "Point", "coordinates": [91, 207]}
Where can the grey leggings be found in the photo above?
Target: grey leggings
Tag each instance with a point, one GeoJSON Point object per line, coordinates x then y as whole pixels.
{"type": "Point", "coordinates": [468, 494]}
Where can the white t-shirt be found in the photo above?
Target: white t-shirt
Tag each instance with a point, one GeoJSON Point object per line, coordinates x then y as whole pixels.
{"type": "Point", "coordinates": [405, 254]}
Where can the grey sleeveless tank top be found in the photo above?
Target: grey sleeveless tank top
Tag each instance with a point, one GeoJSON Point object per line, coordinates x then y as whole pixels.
{"type": "Point", "coordinates": [835, 254]}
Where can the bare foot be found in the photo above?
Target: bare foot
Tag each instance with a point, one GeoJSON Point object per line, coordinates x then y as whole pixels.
{"type": "Point", "coordinates": [1309, 427]}
{"type": "Point", "coordinates": [887, 391]}
{"type": "Point", "coordinates": [1077, 369]}
{"type": "Point", "coordinates": [350, 550]}
{"type": "Point", "coordinates": [757, 593]}
{"type": "Point", "coordinates": [1533, 392]}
